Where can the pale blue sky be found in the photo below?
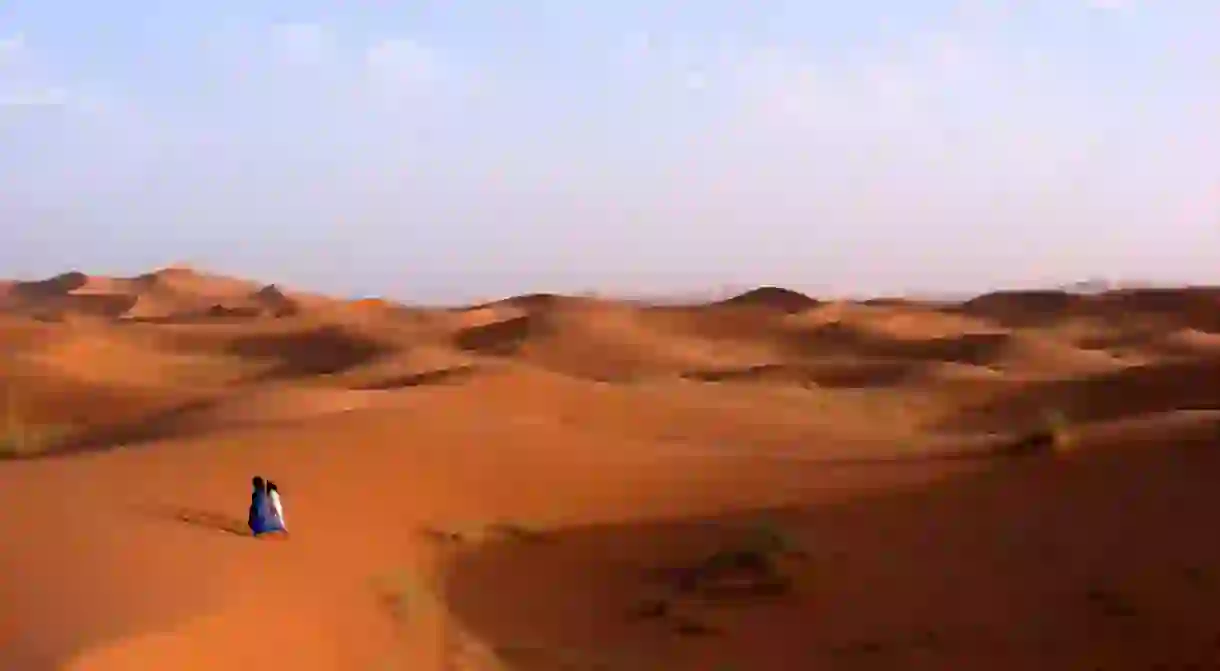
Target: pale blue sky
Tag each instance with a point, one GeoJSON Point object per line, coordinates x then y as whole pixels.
{"type": "Point", "coordinates": [446, 150]}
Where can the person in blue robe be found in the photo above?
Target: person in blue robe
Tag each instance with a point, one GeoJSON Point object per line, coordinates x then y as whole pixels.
{"type": "Point", "coordinates": [262, 518]}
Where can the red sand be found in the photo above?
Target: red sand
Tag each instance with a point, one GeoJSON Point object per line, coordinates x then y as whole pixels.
{"type": "Point", "coordinates": [491, 489]}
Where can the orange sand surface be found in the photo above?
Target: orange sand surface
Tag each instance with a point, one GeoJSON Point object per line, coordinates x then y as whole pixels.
{"type": "Point", "coordinates": [1026, 480]}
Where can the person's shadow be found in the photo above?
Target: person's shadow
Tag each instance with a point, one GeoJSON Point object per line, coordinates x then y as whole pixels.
{"type": "Point", "coordinates": [204, 519]}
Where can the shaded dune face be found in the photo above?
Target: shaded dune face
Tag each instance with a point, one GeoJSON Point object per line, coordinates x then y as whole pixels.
{"type": "Point", "coordinates": [51, 287]}
{"type": "Point", "coordinates": [501, 338]}
{"type": "Point", "coordinates": [1022, 308]}
{"type": "Point", "coordinates": [75, 407]}
{"type": "Point", "coordinates": [1147, 389]}
{"type": "Point", "coordinates": [971, 348]}
{"type": "Point", "coordinates": [769, 482]}
{"type": "Point", "coordinates": [320, 351]}
{"type": "Point", "coordinates": [1190, 307]}
{"type": "Point", "coordinates": [64, 306]}
{"type": "Point", "coordinates": [1017, 565]}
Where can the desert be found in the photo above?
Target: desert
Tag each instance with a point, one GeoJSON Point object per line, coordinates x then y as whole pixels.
{"type": "Point", "coordinates": [1021, 480]}
{"type": "Point", "coordinates": [610, 336]}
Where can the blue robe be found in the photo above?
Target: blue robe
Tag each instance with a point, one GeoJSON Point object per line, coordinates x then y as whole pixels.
{"type": "Point", "coordinates": [262, 520]}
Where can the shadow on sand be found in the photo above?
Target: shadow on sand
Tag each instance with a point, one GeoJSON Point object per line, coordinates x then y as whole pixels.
{"type": "Point", "coordinates": [204, 519]}
{"type": "Point", "coordinates": [1101, 561]}
{"type": "Point", "coordinates": [165, 424]}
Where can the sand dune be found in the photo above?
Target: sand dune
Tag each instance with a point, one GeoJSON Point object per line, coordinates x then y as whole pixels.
{"type": "Point", "coordinates": [1131, 391]}
{"type": "Point", "coordinates": [775, 298]}
{"type": "Point", "coordinates": [1012, 566]}
{"type": "Point", "coordinates": [1023, 308]}
{"type": "Point", "coordinates": [1192, 307]}
{"type": "Point", "coordinates": [320, 351]}
{"type": "Point", "coordinates": [902, 321]}
{"type": "Point", "coordinates": [19, 334]}
{"type": "Point", "coordinates": [46, 409]}
{"type": "Point", "coordinates": [853, 373]}
{"type": "Point", "coordinates": [607, 342]}
{"type": "Point", "coordinates": [170, 294]}
{"type": "Point", "coordinates": [1189, 307]}
{"type": "Point", "coordinates": [1023, 480]}
{"type": "Point", "coordinates": [263, 406]}
{"type": "Point", "coordinates": [51, 287]}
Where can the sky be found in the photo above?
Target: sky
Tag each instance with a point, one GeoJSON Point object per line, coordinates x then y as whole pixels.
{"type": "Point", "coordinates": [454, 150]}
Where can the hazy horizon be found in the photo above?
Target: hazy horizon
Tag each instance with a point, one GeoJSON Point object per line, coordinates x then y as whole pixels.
{"type": "Point", "coordinates": [437, 152]}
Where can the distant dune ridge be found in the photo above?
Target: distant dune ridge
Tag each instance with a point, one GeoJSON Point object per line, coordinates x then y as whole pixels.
{"type": "Point", "coordinates": [773, 297]}
{"type": "Point", "coordinates": [769, 481]}
{"type": "Point", "coordinates": [171, 294]}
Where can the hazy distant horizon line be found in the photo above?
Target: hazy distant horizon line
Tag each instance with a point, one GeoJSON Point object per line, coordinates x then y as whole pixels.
{"type": "Point", "coordinates": [676, 297]}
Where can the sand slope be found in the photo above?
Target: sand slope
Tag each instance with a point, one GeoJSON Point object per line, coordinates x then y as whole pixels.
{"type": "Point", "coordinates": [543, 482]}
